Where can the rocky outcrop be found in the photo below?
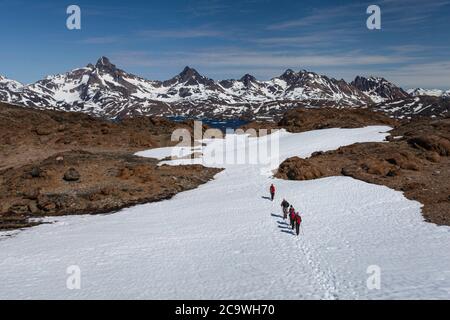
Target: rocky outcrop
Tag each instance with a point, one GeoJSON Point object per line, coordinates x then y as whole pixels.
{"type": "Point", "coordinates": [27, 135]}
{"type": "Point", "coordinates": [432, 143]}
{"type": "Point", "coordinates": [92, 183]}
{"type": "Point", "coordinates": [305, 119]}
{"type": "Point", "coordinates": [296, 168]}
{"type": "Point", "coordinates": [415, 160]}
{"type": "Point", "coordinates": [57, 163]}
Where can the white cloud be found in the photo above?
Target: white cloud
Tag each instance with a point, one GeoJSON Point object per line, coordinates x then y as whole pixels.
{"type": "Point", "coordinates": [181, 33]}
{"type": "Point", "coordinates": [224, 63]}
{"type": "Point", "coordinates": [101, 40]}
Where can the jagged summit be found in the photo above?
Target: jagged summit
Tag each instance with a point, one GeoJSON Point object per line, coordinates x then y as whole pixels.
{"type": "Point", "coordinates": [103, 64]}
{"type": "Point", "coordinates": [189, 77]}
{"type": "Point", "coordinates": [379, 88]}
{"type": "Point", "coordinates": [288, 71]}
{"type": "Point", "coordinates": [247, 79]}
{"type": "Point", "coordinates": [103, 61]}
{"type": "Point", "coordinates": [189, 73]}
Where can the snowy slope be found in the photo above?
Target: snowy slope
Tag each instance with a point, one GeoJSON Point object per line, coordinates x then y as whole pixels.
{"type": "Point", "coordinates": [429, 92]}
{"type": "Point", "coordinates": [9, 89]}
{"type": "Point", "coordinates": [224, 240]}
{"type": "Point", "coordinates": [420, 105]}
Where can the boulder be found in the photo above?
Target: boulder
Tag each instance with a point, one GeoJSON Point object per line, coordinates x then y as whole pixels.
{"type": "Point", "coordinates": [35, 172]}
{"type": "Point", "coordinates": [72, 175]}
{"type": "Point", "coordinates": [33, 208]}
{"type": "Point", "coordinates": [433, 156]}
{"type": "Point", "coordinates": [43, 131]}
{"type": "Point", "coordinates": [296, 168]}
{"type": "Point", "coordinates": [376, 167]}
{"type": "Point", "coordinates": [351, 170]}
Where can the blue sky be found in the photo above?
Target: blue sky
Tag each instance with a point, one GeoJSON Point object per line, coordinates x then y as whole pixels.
{"type": "Point", "coordinates": [226, 39]}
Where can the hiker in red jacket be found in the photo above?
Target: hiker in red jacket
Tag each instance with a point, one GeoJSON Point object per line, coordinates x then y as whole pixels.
{"type": "Point", "coordinates": [272, 191]}
{"type": "Point", "coordinates": [298, 221]}
{"type": "Point", "coordinates": [292, 216]}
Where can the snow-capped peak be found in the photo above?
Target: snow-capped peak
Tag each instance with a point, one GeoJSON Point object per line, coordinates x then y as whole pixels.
{"type": "Point", "coordinates": [107, 91]}
{"type": "Point", "coordinates": [379, 89]}
{"type": "Point", "coordinates": [188, 77]}
{"type": "Point", "coordinates": [104, 65]}
{"type": "Point", "coordinates": [8, 86]}
{"type": "Point", "coordinates": [429, 92]}
{"type": "Point", "coordinates": [248, 79]}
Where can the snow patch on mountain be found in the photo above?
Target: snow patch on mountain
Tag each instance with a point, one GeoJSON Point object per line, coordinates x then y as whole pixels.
{"type": "Point", "coordinates": [428, 92]}
{"type": "Point", "coordinates": [379, 89]}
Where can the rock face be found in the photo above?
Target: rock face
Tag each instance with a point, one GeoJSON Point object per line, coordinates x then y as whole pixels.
{"type": "Point", "coordinates": [379, 89]}
{"type": "Point", "coordinates": [415, 160]}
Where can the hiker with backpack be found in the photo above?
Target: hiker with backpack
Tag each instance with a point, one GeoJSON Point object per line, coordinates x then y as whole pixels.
{"type": "Point", "coordinates": [298, 221]}
{"type": "Point", "coordinates": [272, 191]}
{"type": "Point", "coordinates": [292, 216]}
{"type": "Point", "coordinates": [285, 207]}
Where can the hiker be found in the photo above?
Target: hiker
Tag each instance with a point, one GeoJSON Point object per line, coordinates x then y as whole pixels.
{"type": "Point", "coordinates": [272, 191]}
{"type": "Point", "coordinates": [292, 216]}
{"type": "Point", "coordinates": [285, 207]}
{"type": "Point", "coordinates": [298, 221]}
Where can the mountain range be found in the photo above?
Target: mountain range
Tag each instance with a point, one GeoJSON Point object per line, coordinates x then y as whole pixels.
{"type": "Point", "coordinates": [103, 90]}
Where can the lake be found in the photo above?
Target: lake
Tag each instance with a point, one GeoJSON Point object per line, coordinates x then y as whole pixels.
{"type": "Point", "coordinates": [221, 124]}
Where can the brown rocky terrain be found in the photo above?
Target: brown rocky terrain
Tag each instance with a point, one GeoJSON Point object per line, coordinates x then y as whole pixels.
{"type": "Point", "coordinates": [306, 119]}
{"type": "Point", "coordinates": [300, 120]}
{"type": "Point", "coordinates": [414, 160]}
{"type": "Point", "coordinates": [28, 134]}
{"type": "Point", "coordinates": [59, 163]}
{"type": "Point", "coordinates": [79, 182]}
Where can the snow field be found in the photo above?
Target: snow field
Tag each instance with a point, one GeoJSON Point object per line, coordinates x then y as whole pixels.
{"type": "Point", "coordinates": [226, 240]}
